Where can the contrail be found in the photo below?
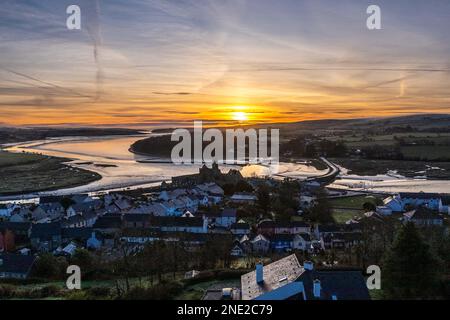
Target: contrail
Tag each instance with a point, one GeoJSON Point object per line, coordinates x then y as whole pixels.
{"type": "Point", "coordinates": [45, 82]}
{"type": "Point", "coordinates": [93, 29]}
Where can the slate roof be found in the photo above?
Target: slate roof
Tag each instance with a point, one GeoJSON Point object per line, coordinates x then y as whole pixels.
{"type": "Point", "coordinates": [266, 224]}
{"type": "Point", "coordinates": [419, 195]}
{"type": "Point", "coordinates": [240, 225]}
{"type": "Point", "coordinates": [15, 226]}
{"type": "Point", "coordinates": [344, 284]}
{"type": "Point", "coordinates": [282, 238]}
{"type": "Point", "coordinates": [287, 269]}
{"type": "Point", "coordinates": [16, 263]}
{"type": "Point", "coordinates": [445, 200]}
{"type": "Point", "coordinates": [176, 222]}
{"type": "Point", "coordinates": [108, 222]}
{"type": "Point", "coordinates": [423, 214]}
{"type": "Point", "coordinates": [76, 233]}
{"type": "Point", "coordinates": [45, 230]}
{"type": "Point", "coordinates": [229, 212]}
{"type": "Point", "coordinates": [136, 217]}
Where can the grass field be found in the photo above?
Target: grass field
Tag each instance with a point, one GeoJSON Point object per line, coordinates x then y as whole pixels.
{"type": "Point", "coordinates": [343, 215]}
{"type": "Point", "coordinates": [24, 173]}
{"type": "Point", "coordinates": [355, 202]}
{"type": "Point", "coordinates": [348, 208]}
{"type": "Point", "coordinates": [427, 152]}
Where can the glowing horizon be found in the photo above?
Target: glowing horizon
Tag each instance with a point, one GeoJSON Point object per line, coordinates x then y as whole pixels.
{"type": "Point", "coordinates": [222, 62]}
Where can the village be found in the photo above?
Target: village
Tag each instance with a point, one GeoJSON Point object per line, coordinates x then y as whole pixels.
{"type": "Point", "coordinates": [213, 219]}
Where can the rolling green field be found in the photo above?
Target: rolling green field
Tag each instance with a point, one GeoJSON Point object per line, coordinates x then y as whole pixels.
{"type": "Point", "coordinates": [24, 173]}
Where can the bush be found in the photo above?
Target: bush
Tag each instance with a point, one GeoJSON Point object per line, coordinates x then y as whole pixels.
{"type": "Point", "coordinates": [7, 291]}
{"type": "Point", "coordinates": [99, 292]}
{"type": "Point", "coordinates": [162, 291]}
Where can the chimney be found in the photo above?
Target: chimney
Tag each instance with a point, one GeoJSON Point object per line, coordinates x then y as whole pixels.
{"type": "Point", "coordinates": [316, 288]}
{"type": "Point", "coordinates": [308, 265]}
{"type": "Point", "coordinates": [259, 273]}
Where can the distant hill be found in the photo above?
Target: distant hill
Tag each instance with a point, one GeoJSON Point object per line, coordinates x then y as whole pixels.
{"type": "Point", "coordinates": [12, 134]}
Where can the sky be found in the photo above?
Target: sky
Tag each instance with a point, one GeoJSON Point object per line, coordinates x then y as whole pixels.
{"type": "Point", "coordinates": [147, 62]}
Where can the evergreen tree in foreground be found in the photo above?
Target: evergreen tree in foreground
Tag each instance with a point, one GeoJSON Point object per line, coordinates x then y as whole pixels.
{"type": "Point", "coordinates": [410, 270]}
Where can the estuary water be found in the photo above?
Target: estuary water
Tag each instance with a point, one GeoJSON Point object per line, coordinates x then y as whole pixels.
{"type": "Point", "coordinates": [121, 169]}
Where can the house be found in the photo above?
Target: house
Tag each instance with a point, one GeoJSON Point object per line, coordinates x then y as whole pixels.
{"type": "Point", "coordinates": [260, 244]}
{"type": "Point", "coordinates": [321, 230]}
{"type": "Point", "coordinates": [306, 201]}
{"type": "Point", "coordinates": [266, 227]}
{"type": "Point", "coordinates": [409, 200]}
{"type": "Point", "coordinates": [93, 242]}
{"type": "Point", "coordinates": [341, 240]}
{"type": "Point", "coordinates": [243, 198]}
{"type": "Point", "coordinates": [81, 198]}
{"type": "Point", "coordinates": [444, 205]}
{"type": "Point", "coordinates": [286, 279]}
{"type": "Point", "coordinates": [53, 209]}
{"type": "Point", "coordinates": [81, 208]}
{"type": "Point", "coordinates": [87, 219]}
{"type": "Point", "coordinates": [275, 281]}
{"type": "Point", "coordinates": [136, 220]}
{"type": "Point", "coordinates": [46, 236]}
{"type": "Point", "coordinates": [20, 214]}
{"type": "Point", "coordinates": [292, 227]}
{"type": "Point", "coordinates": [392, 204]}
{"type": "Point", "coordinates": [21, 230]}
{"type": "Point", "coordinates": [245, 243]}
{"type": "Point", "coordinates": [224, 218]}
{"type": "Point", "coordinates": [281, 242]}
{"type": "Point", "coordinates": [237, 251]}
{"type": "Point", "coordinates": [108, 224]}
{"type": "Point", "coordinates": [180, 224]}
{"type": "Point", "coordinates": [240, 228]}
{"type": "Point", "coordinates": [16, 266]}
{"type": "Point", "coordinates": [302, 241]}
{"type": "Point", "coordinates": [424, 217]}
{"type": "Point", "coordinates": [7, 209]}
{"type": "Point", "coordinates": [384, 210]}
{"type": "Point", "coordinates": [139, 235]}
{"type": "Point", "coordinates": [420, 199]}
{"type": "Point", "coordinates": [80, 235]}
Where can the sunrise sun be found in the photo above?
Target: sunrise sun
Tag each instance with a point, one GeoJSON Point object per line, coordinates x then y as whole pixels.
{"type": "Point", "coordinates": [239, 116]}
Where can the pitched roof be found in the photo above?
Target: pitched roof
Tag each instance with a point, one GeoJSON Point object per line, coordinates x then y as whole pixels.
{"type": "Point", "coordinates": [16, 263]}
{"type": "Point", "coordinates": [445, 200]}
{"type": "Point", "coordinates": [108, 222]}
{"type": "Point", "coordinates": [229, 212]}
{"type": "Point", "coordinates": [45, 230]}
{"type": "Point", "coordinates": [419, 195]}
{"type": "Point", "coordinates": [282, 238]}
{"type": "Point", "coordinates": [15, 226]}
{"type": "Point", "coordinates": [422, 214]}
{"type": "Point", "coordinates": [176, 222]}
{"type": "Point", "coordinates": [344, 284]}
{"type": "Point", "coordinates": [76, 233]}
{"type": "Point", "coordinates": [276, 275]}
{"type": "Point", "coordinates": [136, 217]}
{"type": "Point", "coordinates": [240, 225]}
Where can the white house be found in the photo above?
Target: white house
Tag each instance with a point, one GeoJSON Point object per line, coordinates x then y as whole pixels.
{"type": "Point", "coordinates": [405, 200]}
{"type": "Point", "coordinates": [260, 244]}
{"type": "Point", "coordinates": [243, 197]}
{"type": "Point", "coordinates": [302, 241]}
{"type": "Point", "coordinates": [287, 279]}
{"type": "Point", "coordinates": [392, 204]}
{"type": "Point", "coordinates": [444, 205]}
